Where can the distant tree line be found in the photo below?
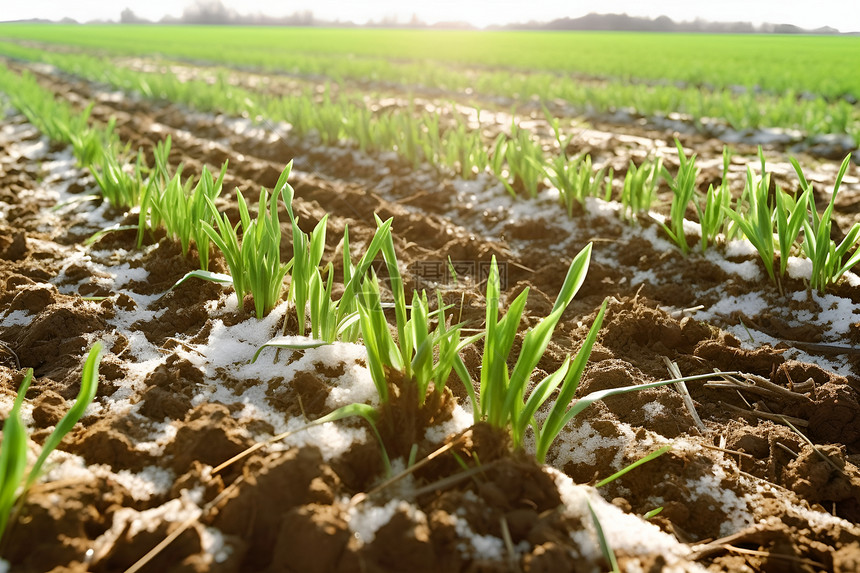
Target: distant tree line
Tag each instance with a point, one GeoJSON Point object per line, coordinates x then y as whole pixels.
{"type": "Point", "coordinates": [625, 23]}
{"type": "Point", "coordinates": [213, 12]}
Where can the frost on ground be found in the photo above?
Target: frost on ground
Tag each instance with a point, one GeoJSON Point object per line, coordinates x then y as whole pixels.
{"type": "Point", "coordinates": [211, 365]}
{"type": "Point", "coordinates": [626, 534]}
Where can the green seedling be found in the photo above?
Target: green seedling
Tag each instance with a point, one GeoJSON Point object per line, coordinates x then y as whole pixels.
{"type": "Point", "coordinates": [332, 320]}
{"type": "Point", "coordinates": [307, 255]}
{"type": "Point", "coordinates": [464, 150]}
{"type": "Point", "coordinates": [712, 215]}
{"type": "Point", "coordinates": [652, 456]}
{"type": "Point", "coordinates": [426, 354]}
{"type": "Point", "coordinates": [789, 215]}
{"type": "Point", "coordinates": [13, 455]}
{"type": "Point", "coordinates": [355, 273]}
{"type": "Point", "coordinates": [13, 450]}
{"type": "Point", "coordinates": [829, 260]}
{"type": "Point", "coordinates": [330, 120]}
{"type": "Point", "coordinates": [261, 249]}
{"type": "Point", "coordinates": [323, 310]}
{"type": "Point", "coordinates": [53, 118]}
{"type": "Point", "coordinates": [574, 178]}
{"type": "Point", "coordinates": [640, 188]}
{"type": "Point", "coordinates": [346, 315]}
{"type": "Point", "coordinates": [382, 350]}
{"type": "Point", "coordinates": [756, 221]}
{"type": "Point", "coordinates": [120, 187]}
{"type": "Point", "coordinates": [363, 128]}
{"type": "Point", "coordinates": [254, 259]}
{"type": "Point", "coordinates": [89, 145]}
{"type": "Point", "coordinates": [423, 355]}
{"type": "Point", "coordinates": [776, 105]}
{"type": "Point", "coordinates": [161, 156]}
{"type": "Point", "coordinates": [555, 124]}
{"type": "Point", "coordinates": [566, 379]}
{"type": "Point", "coordinates": [607, 193]}
{"type": "Point", "coordinates": [408, 136]}
{"type": "Point", "coordinates": [56, 118]}
{"type": "Point", "coordinates": [500, 401]}
{"type": "Point", "coordinates": [159, 176]}
{"type": "Point", "coordinates": [517, 161]}
{"type": "Point", "coordinates": [605, 548]}
{"type": "Point", "coordinates": [181, 210]}
{"type": "Point", "coordinates": [683, 190]}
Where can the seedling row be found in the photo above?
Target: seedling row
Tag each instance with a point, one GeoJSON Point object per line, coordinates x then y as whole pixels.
{"type": "Point", "coordinates": [707, 109]}
{"type": "Point", "coordinates": [778, 228]}
{"type": "Point", "coordinates": [417, 351]}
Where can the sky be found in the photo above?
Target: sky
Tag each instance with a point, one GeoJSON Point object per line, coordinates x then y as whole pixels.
{"type": "Point", "coordinates": [808, 14]}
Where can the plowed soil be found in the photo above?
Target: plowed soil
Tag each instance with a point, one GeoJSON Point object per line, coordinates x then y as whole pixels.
{"type": "Point", "coordinates": [741, 490]}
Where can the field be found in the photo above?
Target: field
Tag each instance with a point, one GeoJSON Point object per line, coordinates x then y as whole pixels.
{"type": "Point", "coordinates": [375, 300]}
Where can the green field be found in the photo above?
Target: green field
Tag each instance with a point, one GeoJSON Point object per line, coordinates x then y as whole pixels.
{"type": "Point", "coordinates": [743, 82]}
{"type": "Point", "coordinates": [816, 64]}
{"type": "Point", "coordinates": [427, 301]}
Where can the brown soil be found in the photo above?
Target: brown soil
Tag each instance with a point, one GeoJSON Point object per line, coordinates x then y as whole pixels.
{"type": "Point", "coordinates": [744, 490]}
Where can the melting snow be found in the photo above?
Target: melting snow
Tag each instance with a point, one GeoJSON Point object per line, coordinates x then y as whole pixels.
{"type": "Point", "coordinates": [228, 351]}
{"type": "Point", "coordinates": [365, 519]}
{"type": "Point", "coordinates": [15, 318]}
{"type": "Point", "coordinates": [624, 532]}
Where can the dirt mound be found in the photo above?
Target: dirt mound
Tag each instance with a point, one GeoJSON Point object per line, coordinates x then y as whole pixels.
{"type": "Point", "coordinates": [740, 490]}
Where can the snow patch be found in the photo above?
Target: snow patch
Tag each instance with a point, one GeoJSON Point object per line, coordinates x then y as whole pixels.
{"type": "Point", "coordinates": [123, 274]}
{"type": "Point", "coordinates": [365, 520]}
{"type": "Point", "coordinates": [735, 508]}
{"type": "Point", "coordinates": [176, 510]}
{"type": "Point", "coordinates": [150, 481]}
{"type": "Point", "coordinates": [746, 270]}
{"type": "Point", "coordinates": [460, 420]}
{"type": "Point", "coordinates": [836, 312]}
{"type": "Point", "coordinates": [333, 439]}
{"type": "Point", "coordinates": [214, 545]}
{"type": "Point", "coordinates": [483, 546]}
{"type": "Point", "coordinates": [581, 443]}
{"type": "Point", "coordinates": [161, 435]}
{"type": "Point", "coordinates": [625, 533]}
{"type": "Point", "coordinates": [751, 304]}
{"type": "Point", "coordinates": [653, 410]}
{"type": "Point", "coordinates": [16, 318]}
{"type": "Point", "coordinates": [228, 353]}
{"type": "Point", "coordinates": [741, 248]}
{"type": "Point", "coordinates": [799, 268]}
